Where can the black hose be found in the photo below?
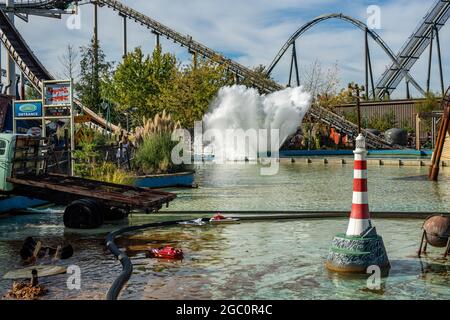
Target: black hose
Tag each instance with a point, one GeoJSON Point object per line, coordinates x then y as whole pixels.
{"type": "Point", "coordinates": [127, 266]}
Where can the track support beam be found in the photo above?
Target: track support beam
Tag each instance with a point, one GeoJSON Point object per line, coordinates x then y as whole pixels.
{"type": "Point", "coordinates": [430, 58]}
{"type": "Point", "coordinates": [125, 41]}
{"type": "Point", "coordinates": [441, 73]}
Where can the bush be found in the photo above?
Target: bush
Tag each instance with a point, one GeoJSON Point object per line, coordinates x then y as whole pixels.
{"type": "Point", "coordinates": [384, 122]}
{"type": "Point", "coordinates": [154, 154]}
{"type": "Point", "coordinates": [88, 163]}
{"type": "Point", "coordinates": [108, 172]}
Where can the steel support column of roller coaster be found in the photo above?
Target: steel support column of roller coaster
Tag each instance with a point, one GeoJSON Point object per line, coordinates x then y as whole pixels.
{"type": "Point", "coordinates": [434, 34]}
{"type": "Point", "coordinates": [294, 63]}
{"type": "Point", "coordinates": [358, 24]}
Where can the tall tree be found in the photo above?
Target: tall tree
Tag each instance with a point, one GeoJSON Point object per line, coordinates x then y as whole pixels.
{"type": "Point", "coordinates": [194, 88]}
{"type": "Point", "coordinates": [320, 82]}
{"type": "Point", "coordinates": [139, 81]}
{"type": "Point", "coordinates": [143, 86]}
{"type": "Point", "coordinates": [91, 76]}
{"type": "Point", "coordinates": [69, 62]}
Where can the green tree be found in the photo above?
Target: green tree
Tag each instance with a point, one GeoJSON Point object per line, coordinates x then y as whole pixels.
{"type": "Point", "coordinates": [92, 75]}
{"type": "Point", "coordinates": [384, 122]}
{"type": "Point", "coordinates": [193, 89]}
{"type": "Point", "coordinates": [429, 104]}
{"type": "Point", "coordinates": [32, 94]}
{"type": "Point", "coordinates": [138, 82]}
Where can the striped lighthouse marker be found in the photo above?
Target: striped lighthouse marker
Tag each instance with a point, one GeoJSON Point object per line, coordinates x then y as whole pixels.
{"type": "Point", "coordinates": [361, 247]}
{"type": "Point", "coordinates": [359, 222]}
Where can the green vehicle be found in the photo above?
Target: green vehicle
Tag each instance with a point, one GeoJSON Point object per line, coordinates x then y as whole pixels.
{"type": "Point", "coordinates": [26, 182]}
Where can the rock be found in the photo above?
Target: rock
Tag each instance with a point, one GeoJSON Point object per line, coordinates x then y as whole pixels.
{"type": "Point", "coordinates": [396, 136]}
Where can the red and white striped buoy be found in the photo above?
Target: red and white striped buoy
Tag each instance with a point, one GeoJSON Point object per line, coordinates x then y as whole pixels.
{"type": "Point", "coordinates": [359, 222]}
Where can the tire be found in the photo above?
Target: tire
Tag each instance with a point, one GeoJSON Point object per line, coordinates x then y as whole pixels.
{"type": "Point", "coordinates": [83, 214]}
{"type": "Point", "coordinates": [114, 214]}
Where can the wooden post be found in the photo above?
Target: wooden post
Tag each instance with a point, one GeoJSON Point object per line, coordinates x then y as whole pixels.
{"type": "Point", "coordinates": [447, 248]}
{"type": "Point", "coordinates": [417, 132]}
{"type": "Point", "coordinates": [436, 159]}
{"type": "Point", "coordinates": [421, 244]}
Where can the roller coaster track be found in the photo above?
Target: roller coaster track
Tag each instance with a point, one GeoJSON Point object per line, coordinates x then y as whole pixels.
{"type": "Point", "coordinates": [414, 47]}
{"type": "Point", "coordinates": [354, 22]}
{"type": "Point", "coordinates": [259, 81]}
{"type": "Point", "coordinates": [317, 112]}
{"type": "Point", "coordinates": [30, 65]}
{"type": "Point", "coordinates": [48, 8]}
{"type": "Point", "coordinates": [36, 73]}
{"type": "Point", "coordinates": [40, 4]}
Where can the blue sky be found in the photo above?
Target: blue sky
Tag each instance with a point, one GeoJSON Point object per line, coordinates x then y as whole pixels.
{"type": "Point", "coordinates": [250, 31]}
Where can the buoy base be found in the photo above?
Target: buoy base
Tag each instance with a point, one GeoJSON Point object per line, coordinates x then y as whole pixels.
{"type": "Point", "coordinates": [356, 254]}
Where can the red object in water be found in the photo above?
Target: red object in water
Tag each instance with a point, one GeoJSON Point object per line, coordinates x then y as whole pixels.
{"type": "Point", "coordinates": [218, 217]}
{"type": "Point", "coordinates": [166, 253]}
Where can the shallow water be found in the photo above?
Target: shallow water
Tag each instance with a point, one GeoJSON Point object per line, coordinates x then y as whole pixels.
{"type": "Point", "coordinates": [313, 187]}
{"type": "Point", "coordinates": [253, 260]}
{"type": "Point", "coordinates": [250, 260]}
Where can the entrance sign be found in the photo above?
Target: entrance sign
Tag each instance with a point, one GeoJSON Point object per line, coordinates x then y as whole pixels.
{"type": "Point", "coordinates": [27, 109]}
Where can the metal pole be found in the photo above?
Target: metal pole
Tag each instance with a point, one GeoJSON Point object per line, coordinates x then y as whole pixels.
{"type": "Point", "coordinates": [433, 131]}
{"type": "Point", "coordinates": [194, 59]}
{"type": "Point", "coordinates": [95, 22]}
{"type": "Point", "coordinates": [125, 49]}
{"type": "Point", "coordinates": [296, 64]}
{"type": "Point", "coordinates": [441, 73]}
{"type": "Point", "coordinates": [95, 47]}
{"type": "Point", "coordinates": [1, 71]}
{"type": "Point", "coordinates": [72, 131]}
{"type": "Point", "coordinates": [292, 65]}
{"type": "Point", "coordinates": [22, 86]}
{"type": "Point", "coordinates": [157, 42]}
{"type": "Point", "coordinates": [10, 64]}
{"type": "Point", "coordinates": [429, 59]}
{"type": "Point", "coordinates": [369, 60]}
{"type": "Point", "coordinates": [408, 94]}
{"type": "Point", "coordinates": [366, 54]}
{"type": "Point", "coordinates": [358, 107]}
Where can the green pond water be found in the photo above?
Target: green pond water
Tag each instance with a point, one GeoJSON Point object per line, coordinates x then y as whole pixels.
{"type": "Point", "coordinates": [253, 260]}
{"type": "Point", "coordinates": [313, 187]}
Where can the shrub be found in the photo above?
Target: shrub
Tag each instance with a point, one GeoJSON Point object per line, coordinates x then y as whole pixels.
{"type": "Point", "coordinates": [108, 172]}
{"type": "Point", "coordinates": [88, 164]}
{"type": "Point", "coordinates": [384, 122]}
{"type": "Point", "coordinates": [154, 154]}
{"type": "Point", "coordinates": [160, 124]}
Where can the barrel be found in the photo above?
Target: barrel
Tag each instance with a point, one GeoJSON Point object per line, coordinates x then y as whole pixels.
{"type": "Point", "coordinates": [437, 229]}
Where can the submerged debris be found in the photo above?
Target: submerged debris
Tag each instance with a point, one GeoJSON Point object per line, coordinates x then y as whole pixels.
{"type": "Point", "coordinates": [32, 250]}
{"type": "Point", "coordinates": [26, 291]}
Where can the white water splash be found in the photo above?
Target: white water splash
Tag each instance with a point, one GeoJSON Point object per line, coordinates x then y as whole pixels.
{"type": "Point", "coordinates": [238, 108]}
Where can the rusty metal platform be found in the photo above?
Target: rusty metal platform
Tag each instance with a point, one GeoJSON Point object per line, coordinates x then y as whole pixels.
{"type": "Point", "coordinates": [61, 189]}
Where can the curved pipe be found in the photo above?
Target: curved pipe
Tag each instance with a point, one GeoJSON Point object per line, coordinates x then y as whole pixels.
{"type": "Point", "coordinates": [356, 23]}
{"type": "Point", "coordinates": [127, 266]}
